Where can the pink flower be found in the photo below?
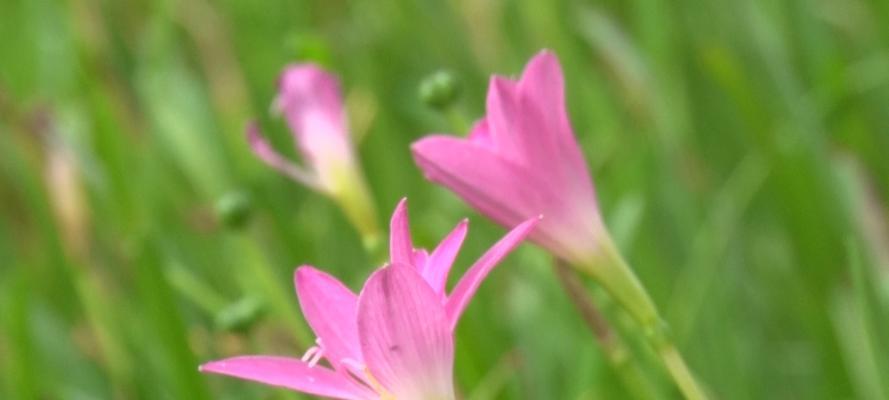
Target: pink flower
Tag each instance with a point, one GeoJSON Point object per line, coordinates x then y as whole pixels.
{"type": "Point", "coordinates": [309, 99]}
{"type": "Point", "coordinates": [395, 339]}
{"type": "Point", "coordinates": [522, 160]}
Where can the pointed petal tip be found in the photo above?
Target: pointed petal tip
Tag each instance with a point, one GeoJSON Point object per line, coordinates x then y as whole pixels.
{"type": "Point", "coordinates": [212, 367]}
{"type": "Point", "coordinates": [420, 149]}
{"type": "Point", "coordinates": [524, 228]}
{"type": "Point", "coordinates": [290, 374]}
{"type": "Point", "coordinates": [399, 212]}
{"type": "Point", "coordinates": [462, 226]}
{"type": "Point", "coordinates": [469, 283]}
{"type": "Point", "coordinates": [544, 70]}
{"type": "Point", "coordinates": [545, 53]}
{"type": "Point", "coordinates": [431, 151]}
{"type": "Point", "coordinates": [303, 272]}
{"type": "Point", "coordinates": [436, 269]}
{"type": "Point", "coordinates": [401, 246]}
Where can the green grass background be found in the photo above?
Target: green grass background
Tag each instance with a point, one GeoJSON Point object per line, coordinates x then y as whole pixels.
{"type": "Point", "coordinates": [740, 151]}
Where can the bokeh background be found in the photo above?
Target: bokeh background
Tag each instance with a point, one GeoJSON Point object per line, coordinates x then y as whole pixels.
{"type": "Point", "coordinates": [740, 151]}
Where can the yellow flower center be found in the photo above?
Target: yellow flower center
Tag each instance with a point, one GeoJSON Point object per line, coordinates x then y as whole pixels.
{"type": "Point", "coordinates": [375, 385]}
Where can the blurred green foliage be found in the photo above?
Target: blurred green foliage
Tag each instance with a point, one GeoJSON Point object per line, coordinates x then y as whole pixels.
{"type": "Point", "coordinates": [739, 149]}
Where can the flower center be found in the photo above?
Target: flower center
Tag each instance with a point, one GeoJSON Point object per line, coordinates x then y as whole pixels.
{"type": "Point", "coordinates": [375, 385]}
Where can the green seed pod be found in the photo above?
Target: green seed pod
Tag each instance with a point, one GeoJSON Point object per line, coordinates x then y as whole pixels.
{"type": "Point", "coordinates": [233, 209]}
{"type": "Point", "coordinates": [440, 90]}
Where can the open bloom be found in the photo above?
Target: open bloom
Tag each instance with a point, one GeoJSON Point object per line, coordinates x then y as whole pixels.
{"type": "Point", "coordinates": [394, 340]}
{"type": "Point", "coordinates": [521, 159]}
{"type": "Point", "coordinates": [310, 101]}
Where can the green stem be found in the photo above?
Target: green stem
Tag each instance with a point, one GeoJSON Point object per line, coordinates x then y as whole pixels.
{"type": "Point", "coordinates": [616, 276]}
{"type": "Point", "coordinates": [680, 373]}
{"type": "Point", "coordinates": [353, 196]}
{"type": "Point", "coordinates": [457, 119]}
{"type": "Point", "coordinates": [615, 349]}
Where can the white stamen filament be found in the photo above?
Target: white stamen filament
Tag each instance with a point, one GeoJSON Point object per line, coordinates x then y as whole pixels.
{"type": "Point", "coordinates": [313, 354]}
{"type": "Point", "coordinates": [310, 353]}
{"type": "Point", "coordinates": [316, 357]}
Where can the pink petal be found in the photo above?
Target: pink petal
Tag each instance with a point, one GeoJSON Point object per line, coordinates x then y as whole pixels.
{"type": "Point", "coordinates": [480, 134]}
{"type": "Point", "coordinates": [291, 374]}
{"type": "Point", "coordinates": [504, 191]}
{"type": "Point", "coordinates": [543, 79]}
{"type": "Point", "coordinates": [419, 259]}
{"type": "Point", "coordinates": [331, 310]}
{"type": "Point", "coordinates": [543, 82]}
{"type": "Point", "coordinates": [542, 93]}
{"type": "Point", "coordinates": [518, 125]}
{"type": "Point", "coordinates": [469, 283]}
{"type": "Point", "coordinates": [442, 258]}
{"type": "Point", "coordinates": [264, 150]}
{"type": "Point", "coordinates": [307, 94]}
{"type": "Point", "coordinates": [502, 108]}
{"type": "Point", "coordinates": [401, 248]}
{"type": "Point", "coordinates": [405, 337]}
{"type": "Point", "coordinates": [309, 98]}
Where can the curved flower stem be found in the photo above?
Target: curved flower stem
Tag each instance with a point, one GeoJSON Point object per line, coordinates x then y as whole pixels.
{"type": "Point", "coordinates": [616, 276]}
{"type": "Point", "coordinates": [679, 371]}
{"type": "Point", "coordinates": [353, 196]}
{"type": "Point", "coordinates": [614, 348]}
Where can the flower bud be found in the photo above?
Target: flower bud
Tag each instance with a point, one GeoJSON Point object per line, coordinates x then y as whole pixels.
{"type": "Point", "coordinates": [310, 100]}
{"type": "Point", "coordinates": [440, 90]}
{"type": "Point", "coordinates": [233, 209]}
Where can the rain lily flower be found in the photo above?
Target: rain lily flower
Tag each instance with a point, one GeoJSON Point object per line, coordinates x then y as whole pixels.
{"type": "Point", "coordinates": [522, 159]}
{"type": "Point", "coordinates": [395, 339]}
{"type": "Point", "coordinates": [310, 101]}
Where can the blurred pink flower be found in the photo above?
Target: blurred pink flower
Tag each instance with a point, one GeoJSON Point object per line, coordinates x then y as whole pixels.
{"type": "Point", "coordinates": [522, 160]}
{"type": "Point", "coordinates": [392, 341]}
{"type": "Point", "coordinates": [310, 101]}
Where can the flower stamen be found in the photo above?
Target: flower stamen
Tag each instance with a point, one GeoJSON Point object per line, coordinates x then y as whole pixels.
{"type": "Point", "coordinates": [314, 354]}
{"type": "Point", "coordinates": [310, 353]}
